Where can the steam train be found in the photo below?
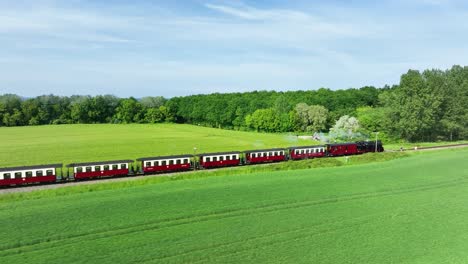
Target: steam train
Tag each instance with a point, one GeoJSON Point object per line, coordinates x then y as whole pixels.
{"type": "Point", "coordinates": [54, 173]}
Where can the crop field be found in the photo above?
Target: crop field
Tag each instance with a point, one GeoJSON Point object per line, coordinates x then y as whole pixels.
{"type": "Point", "coordinates": [81, 143]}
{"type": "Point", "coordinates": [407, 210]}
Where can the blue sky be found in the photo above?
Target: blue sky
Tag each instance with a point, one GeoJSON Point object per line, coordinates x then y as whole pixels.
{"type": "Point", "coordinates": [171, 48]}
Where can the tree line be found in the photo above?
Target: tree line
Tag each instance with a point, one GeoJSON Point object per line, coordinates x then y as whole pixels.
{"type": "Point", "coordinates": [428, 105]}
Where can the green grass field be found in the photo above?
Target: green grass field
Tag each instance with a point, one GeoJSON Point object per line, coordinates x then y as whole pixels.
{"type": "Point", "coordinates": [409, 146]}
{"type": "Point", "coordinates": [81, 143]}
{"type": "Point", "coordinates": [407, 210]}
{"type": "Point", "coordinates": [66, 144]}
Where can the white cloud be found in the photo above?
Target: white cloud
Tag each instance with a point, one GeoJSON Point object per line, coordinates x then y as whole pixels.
{"type": "Point", "coordinates": [240, 47]}
{"type": "Point", "coordinates": [251, 13]}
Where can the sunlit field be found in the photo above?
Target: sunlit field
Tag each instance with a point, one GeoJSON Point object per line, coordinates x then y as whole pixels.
{"type": "Point", "coordinates": [81, 143]}
{"type": "Point", "coordinates": [406, 210]}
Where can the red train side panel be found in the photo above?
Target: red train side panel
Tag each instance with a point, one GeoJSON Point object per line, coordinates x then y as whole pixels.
{"type": "Point", "coordinates": [174, 167]}
{"type": "Point", "coordinates": [166, 163]}
{"type": "Point", "coordinates": [224, 163]}
{"type": "Point", "coordinates": [95, 174]}
{"type": "Point", "coordinates": [48, 178]}
{"type": "Point", "coordinates": [342, 149]}
{"type": "Point", "coordinates": [29, 174]}
{"type": "Point", "coordinates": [216, 160]}
{"type": "Point", "coordinates": [265, 156]}
{"type": "Point", "coordinates": [307, 152]}
{"type": "Point", "coordinates": [100, 169]}
{"type": "Point", "coordinates": [265, 159]}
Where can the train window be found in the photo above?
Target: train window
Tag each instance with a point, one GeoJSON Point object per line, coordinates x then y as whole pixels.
{"type": "Point", "coordinates": [215, 159]}
{"type": "Point", "coordinates": [221, 158]}
{"type": "Point", "coordinates": [171, 162]}
{"type": "Point", "coordinates": [163, 163]}
{"type": "Point", "coordinates": [234, 157]}
{"type": "Point", "coordinates": [156, 163]}
{"type": "Point", "coordinates": [17, 175]}
{"type": "Point", "coordinates": [6, 176]}
{"type": "Point", "coordinates": [123, 166]}
{"type": "Point", "coordinates": [79, 169]}
{"type": "Point", "coordinates": [39, 173]}
{"type": "Point", "coordinates": [228, 157]}
{"type": "Point", "coordinates": [253, 155]}
{"type": "Point", "coordinates": [88, 169]}
{"type": "Point", "coordinates": [115, 167]}
{"type": "Point", "coordinates": [148, 164]}
{"type": "Point", "coordinates": [28, 174]}
{"type": "Point", "coordinates": [178, 162]}
{"type": "Point", "coordinates": [207, 159]}
{"type": "Point", "coordinates": [97, 168]}
{"type": "Point", "coordinates": [186, 161]}
{"type": "Point", "coordinates": [49, 172]}
{"type": "Point", "coordinates": [106, 167]}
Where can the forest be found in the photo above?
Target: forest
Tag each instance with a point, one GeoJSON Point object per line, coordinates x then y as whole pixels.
{"type": "Point", "coordinates": [425, 106]}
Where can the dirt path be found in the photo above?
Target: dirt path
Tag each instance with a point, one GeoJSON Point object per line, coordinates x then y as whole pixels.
{"type": "Point", "coordinates": [31, 188]}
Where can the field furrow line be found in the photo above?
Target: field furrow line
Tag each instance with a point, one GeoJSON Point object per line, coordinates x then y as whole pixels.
{"type": "Point", "coordinates": [218, 215]}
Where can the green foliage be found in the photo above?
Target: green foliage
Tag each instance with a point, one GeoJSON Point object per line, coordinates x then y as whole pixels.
{"type": "Point", "coordinates": [371, 118]}
{"type": "Point", "coordinates": [268, 120]}
{"type": "Point", "coordinates": [129, 111]}
{"type": "Point", "coordinates": [428, 106]}
{"type": "Point", "coordinates": [345, 128]}
{"type": "Point", "coordinates": [235, 107]}
{"type": "Point", "coordinates": [425, 106]}
{"type": "Point", "coordinates": [153, 102]}
{"type": "Point", "coordinates": [367, 213]}
{"type": "Point", "coordinates": [311, 118]}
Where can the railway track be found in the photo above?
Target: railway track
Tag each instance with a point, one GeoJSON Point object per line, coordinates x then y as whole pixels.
{"type": "Point", "coordinates": [433, 147]}
{"type": "Point", "coordinates": [31, 188]}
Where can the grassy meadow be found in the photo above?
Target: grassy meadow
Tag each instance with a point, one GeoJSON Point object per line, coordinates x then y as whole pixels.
{"type": "Point", "coordinates": [33, 145]}
{"type": "Point", "coordinates": [406, 210]}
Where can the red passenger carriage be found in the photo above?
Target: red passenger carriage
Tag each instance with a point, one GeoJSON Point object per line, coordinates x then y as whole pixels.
{"type": "Point", "coordinates": [222, 159]}
{"type": "Point", "coordinates": [306, 152]}
{"type": "Point", "coordinates": [264, 155]}
{"type": "Point", "coordinates": [101, 169]}
{"type": "Point", "coordinates": [28, 174]}
{"type": "Point", "coordinates": [165, 163]}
